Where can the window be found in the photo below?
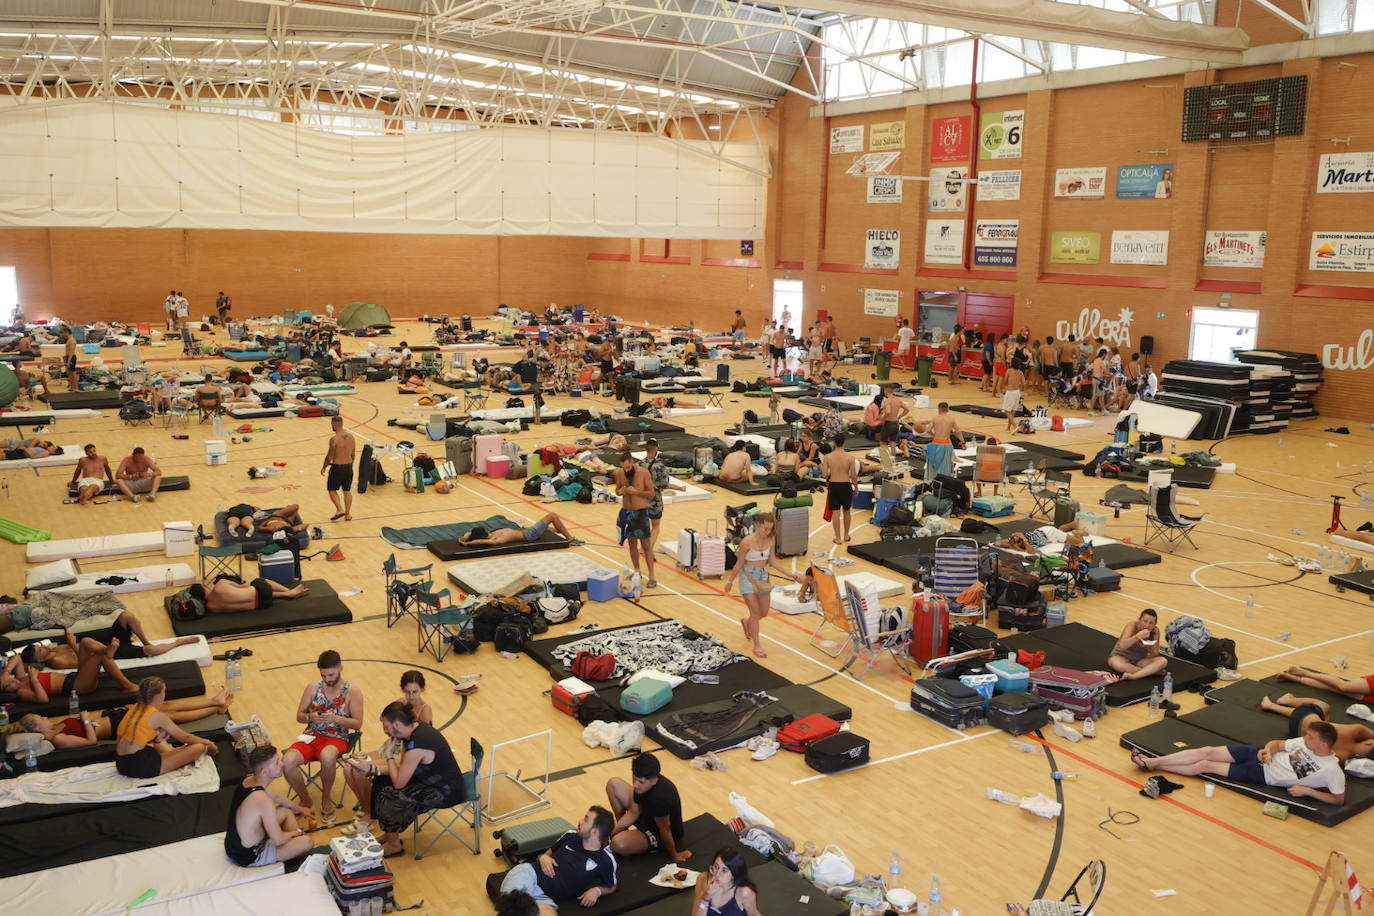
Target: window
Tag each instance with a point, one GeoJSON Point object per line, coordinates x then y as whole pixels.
{"type": "Point", "coordinates": [787, 297]}
{"type": "Point", "coordinates": [9, 294]}
{"type": "Point", "coordinates": [1335, 17]}
{"type": "Point", "coordinates": [1219, 333]}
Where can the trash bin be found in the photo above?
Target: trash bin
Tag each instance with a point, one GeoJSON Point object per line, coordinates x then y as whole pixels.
{"type": "Point", "coordinates": [882, 365]}
{"type": "Point", "coordinates": [923, 364]}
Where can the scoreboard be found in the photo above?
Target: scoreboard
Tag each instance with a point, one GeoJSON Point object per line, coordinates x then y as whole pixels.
{"type": "Point", "coordinates": [1255, 110]}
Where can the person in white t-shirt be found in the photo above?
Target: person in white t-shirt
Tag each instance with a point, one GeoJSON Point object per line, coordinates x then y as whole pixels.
{"type": "Point", "coordinates": [904, 337]}
{"type": "Point", "coordinates": [1306, 766]}
{"type": "Point", "coordinates": [169, 305]}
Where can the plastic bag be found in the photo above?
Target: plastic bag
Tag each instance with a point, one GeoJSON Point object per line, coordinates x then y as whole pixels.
{"type": "Point", "coordinates": [829, 868]}
{"type": "Point", "coordinates": [751, 816]}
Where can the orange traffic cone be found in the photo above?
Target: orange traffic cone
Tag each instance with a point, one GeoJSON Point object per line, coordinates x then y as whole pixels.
{"type": "Point", "coordinates": [335, 553]}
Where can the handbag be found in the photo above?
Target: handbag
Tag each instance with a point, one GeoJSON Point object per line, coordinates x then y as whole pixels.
{"type": "Point", "coordinates": [591, 667]}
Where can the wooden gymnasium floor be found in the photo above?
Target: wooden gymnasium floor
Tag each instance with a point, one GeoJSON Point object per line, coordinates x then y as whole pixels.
{"type": "Point", "coordinates": [923, 794]}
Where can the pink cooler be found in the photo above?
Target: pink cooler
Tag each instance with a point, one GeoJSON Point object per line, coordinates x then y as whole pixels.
{"type": "Point", "coordinates": [498, 466]}
{"type": "Point", "coordinates": [483, 448]}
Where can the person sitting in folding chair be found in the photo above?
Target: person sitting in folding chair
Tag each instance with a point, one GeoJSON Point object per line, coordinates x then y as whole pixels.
{"type": "Point", "coordinates": [330, 708]}
{"type": "Point", "coordinates": [209, 398]}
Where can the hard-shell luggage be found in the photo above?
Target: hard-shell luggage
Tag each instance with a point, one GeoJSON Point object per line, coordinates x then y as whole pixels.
{"type": "Point", "coordinates": [1102, 579]}
{"type": "Point", "coordinates": [360, 887]}
{"type": "Point", "coordinates": [520, 842]}
{"type": "Point", "coordinates": [947, 701]}
{"type": "Point", "coordinates": [1018, 713]}
{"type": "Point", "coordinates": [723, 372]}
{"type": "Point", "coordinates": [569, 694]}
{"type": "Point", "coordinates": [646, 695]}
{"type": "Point", "coordinates": [711, 551]}
{"type": "Point", "coordinates": [1081, 692]}
{"type": "Point", "coordinates": [1065, 510]}
{"type": "Point", "coordinates": [929, 627]}
{"type": "Point", "coordinates": [1021, 617]}
{"type": "Point", "coordinates": [797, 734]}
{"type": "Point", "coordinates": [793, 530]}
{"type": "Point", "coordinates": [838, 752]}
{"type": "Point", "coordinates": [630, 389]}
{"type": "Point", "coordinates": [458, 449]}
{"type": "Point", "coordinates": [484, 447]}
{"type": "Point", "coordinates": [687, 544]}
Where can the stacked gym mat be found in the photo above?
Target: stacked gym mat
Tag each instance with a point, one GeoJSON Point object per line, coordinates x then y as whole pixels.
{"type": "Point", "coordinates": [1305, 372]}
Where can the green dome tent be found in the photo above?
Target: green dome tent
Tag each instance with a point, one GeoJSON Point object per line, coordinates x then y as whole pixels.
{"type": "Point", "coordinates": [9, 385]}
{"type": "Point", "coordinates": [357, 315]}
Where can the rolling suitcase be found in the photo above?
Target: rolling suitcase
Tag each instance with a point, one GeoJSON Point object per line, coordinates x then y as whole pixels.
{"type": "Point", "coordinates": [1065, 510]}
{"type": "Point", "coordinates": [929, 627]}
{"type": "Point", "coordinates": [521, 842]}
{"type": "Point", "coordinates": [723, 372]}
{"type": "Point", "coordinates": [702, 455]}
{"type": "Point", "coordinates": [947, 701]}
{"type": "Point", "coordinates": [687, 548]}
{"type": "Point", "coordinates": [1082, 693]}
{"type": "Point", "coordinates": [631, 389]}
{"type": "Point", "coordinates": [645, 696]}
{"type": "Point", "coordinates": [484, 447]}
{"type": "Point", "coordinates": [799, 733]}
{"type": "Point", "coordinates": [1018, 713]}
{"type": "Point", "coordinates": [793, 529]}
{"type": "Point", "coordinates": [458, 449]}
{"type": "Point", "coordinates": [1021, 617]}
{"type": "Point", "coordinates": [972, 638]}
{"type": "Point", "coordinates": [711, 551]}
{"type": "Point", "coordinates": [1102, 579]}
{"type": "Point", "coordinates": [838, 752]}
{"type": "Point", "coordinates": [569, 694]}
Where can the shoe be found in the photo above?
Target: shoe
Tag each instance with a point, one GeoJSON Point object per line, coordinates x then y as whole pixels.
{"type": "Point", "coordinates": [1089, 728]}
{"type": "Point", "coordinates": [574, 542]}
{"type": "Point", "coordinates": [1229, 674]}
{"type": "Point", "coordinates": [1064, 730]}
{"type": "Point", "coordinates": [152, 497]}
{"type": "Point", "coordinates": [1367, 526]}
{"type": "Point", "coordinates": [359, 825]}
{"type": "Point", "coordinates": [765, 750]}
{"type": "Point", "coordinates": [327, 820]}
{"type": "Point", "coordinates": [1061, 715]}
{"type": "Point", "coordinates": [652, 583]}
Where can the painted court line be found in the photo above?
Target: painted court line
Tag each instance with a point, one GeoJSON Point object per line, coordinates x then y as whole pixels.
{"type": "Point", "coordinates": [1148, 603]}
{"type": "Point", "coordinates": [918, 751]}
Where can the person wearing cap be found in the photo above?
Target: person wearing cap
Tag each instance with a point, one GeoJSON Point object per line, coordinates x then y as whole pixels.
{"type": "Point", "coordinates": [662, 480]}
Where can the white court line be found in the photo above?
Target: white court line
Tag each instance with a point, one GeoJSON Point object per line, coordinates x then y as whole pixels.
{"type": "Point", "coordinates": [1263, 534]}
{"type": "Point", "coordinates": [1224, 626]}
{"type": "Point", "coordinates": [712, 610]}
{"type": "Point", "coordinates": [1224, 565]}
{"type": "Point", "coordinates": [1269, 658]}
{"type": "Point", "coordinates": [921, 750]}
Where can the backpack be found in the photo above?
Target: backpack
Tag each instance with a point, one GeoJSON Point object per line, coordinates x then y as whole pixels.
{"type": "Point", "coordinates": [512, 633]}
{"type": "Point", "coordinates": [485, 622]}
{"type": "Point", "coordinates": [424, 463]}
{"type": "Point", "coordinates": [187, 604]}
{"type": "Point", "coordinates": [132, 412]}
{"type": "Point", "coordinates": [376, 474]}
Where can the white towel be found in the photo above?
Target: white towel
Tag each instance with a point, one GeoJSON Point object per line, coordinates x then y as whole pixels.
{"type": "Point", "coordinates": [99, 782]}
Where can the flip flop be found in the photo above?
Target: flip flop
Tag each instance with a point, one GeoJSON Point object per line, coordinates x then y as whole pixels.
{"type": "Point", "coordinates": [335, 518]}
{"type": "Point", "coordinates": [1139, 760]}
{"type": "Point", "coordinates": [393, 855]}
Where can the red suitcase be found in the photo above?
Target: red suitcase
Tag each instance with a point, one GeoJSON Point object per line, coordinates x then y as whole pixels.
{"type": "Point", "coordinates": [569, 694]}
{"type": "Point", "coordinates": [797, 734]}
{"type": "Point", "coordinates": [929, 627]}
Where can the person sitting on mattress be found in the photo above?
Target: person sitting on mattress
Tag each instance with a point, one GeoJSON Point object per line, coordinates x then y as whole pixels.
{"type": "Point", "coordinates": [242, 520]}
{"type": "Point", "coordinates": [724, 889]}
{"type": "Point", "coordinates": [20, 676]}
{"type": "Point", "coordinates": [1351, 740]}
{"type": "Point", "coordinates": [615, 442]}
{"type": "Point", "coordinates": [579, 866]}
{"type": "Point", "coordinates": [90, 475]}
{"type": "Point", "coordinates": [142, 750]}
{"type": "Point", "coordinates": [92, 726]}
{"type": "Point", "coordinates": [480, 536]}
{"type": "Point", "coordinates": [262, 827]}
{"type": "Point", "coordinates": [1136, 653]}
{"type": "Point", "coordinates": [19, 449]}
{"type": "Point", "coordinates": [736, 466]}
{"type": "Point", "coordinates": [1361, 689]}
{"type": "Point", "coordinates": [231, 595]}
{"type": "Point", "coordinates": [1306, 765]}
{"type": "Point", "coordinates": [137, 475]}
{"type": "Point", "coordinates": [648, 812]}
{"type": "Point", "coordinates": [1074, 532]}
{"type": "Point", "coordinates": [123, 632]}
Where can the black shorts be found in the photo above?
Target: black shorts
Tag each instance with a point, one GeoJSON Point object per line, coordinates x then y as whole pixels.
{"type": "Point", "coordinates": [1302, 712]}
{"type": "Point", "coordinates": [1246, 766]}
{"type": "Point", "coordinates": [68, 684]}
{"type": "Point", "coordinates": [264, 590]}
{"type": "Point", "coordinates": [839, 496]}
{"type": "Point", "coordinates": [71, 363]}
{"type": "Point", "coordinates": [340, 477]}
{"type": "Point", "coordinates": [144, 763]}
{"type": "Point", "coordinates": [987, 367]}
{"type": "Point", "coordinates": [115, 716]}
{"type": "Point", "coordinates": [777, 352]}
{"type": "Point", "coordinates": [242, 510]}
{"type": "Point", "coordinates": [887, 432]}
{"type": "Point", "coordinates": [607, 366]}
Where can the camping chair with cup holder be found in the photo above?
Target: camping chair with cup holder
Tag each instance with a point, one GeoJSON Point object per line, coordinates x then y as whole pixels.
{"type": "Point", "coordinates": [438, 619]}
{"type": "Point", "coordinates": [456, 820]}
{"type": "Point", "coordinates": [831, 605]}
{"type": "Point", "coordinates": [313, 771]}
{"type": "Point", "coordinates": [403, 586]}
{"type": "Point", "coordinates": [1164, 522]}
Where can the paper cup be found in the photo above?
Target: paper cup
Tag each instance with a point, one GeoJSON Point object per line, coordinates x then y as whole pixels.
{"type": "Point", "coordinates": [1209, 788]}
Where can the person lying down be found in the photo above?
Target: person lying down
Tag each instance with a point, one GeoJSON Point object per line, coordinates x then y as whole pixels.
{"type": "Point", "coordinates": [1074, 532]}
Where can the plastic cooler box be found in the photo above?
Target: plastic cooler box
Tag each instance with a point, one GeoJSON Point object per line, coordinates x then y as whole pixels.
{"type": "Point", "coordinates": [603, 585]}
{"type": "Point", "coordinates": [279, 567]}
{"type": "Point", "coordinates": [1095, 522]}
{"type": "Point", "coordinates": [1011, 676]}
{"type": "Point", "coordinates": [498, 466]}
{"type": "Point", "coordinates": [216, 452]}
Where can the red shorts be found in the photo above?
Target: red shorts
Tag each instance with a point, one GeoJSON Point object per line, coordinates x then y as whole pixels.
{"type": "Point", "coordinates": [1369, 682]}
{"type": "Point", "coordinates": [999, 368]}
{"type": "Point", "coordinates": [310, 750]}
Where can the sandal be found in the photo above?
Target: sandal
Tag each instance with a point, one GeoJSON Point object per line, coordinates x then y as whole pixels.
{"type": "Point", "coordinates": [358, 825]}
{"type": "Point", "coordinates": [1139, 760]}
{"type": "Point", "coordinates": [328, 819]}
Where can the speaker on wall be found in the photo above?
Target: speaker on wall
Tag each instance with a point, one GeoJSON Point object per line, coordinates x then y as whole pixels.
{"type": "Point", "coordinates": [1147, 345]}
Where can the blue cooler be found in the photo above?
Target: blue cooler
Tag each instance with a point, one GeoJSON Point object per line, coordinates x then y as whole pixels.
{"type": "Point", "coordinates": [279, 567]}
{"type": "Point", "coordinates": [863, 499]}
{"type": "Point", "coordinates": [1011, 676]}
{"type": "Point", "coordinates": [646, 695]}
{"type": "Point", "coordinates": [603, 585]}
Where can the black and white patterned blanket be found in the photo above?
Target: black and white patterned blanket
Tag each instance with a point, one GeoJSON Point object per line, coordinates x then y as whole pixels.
{"type": "Point", "coordinates": [665, 645]}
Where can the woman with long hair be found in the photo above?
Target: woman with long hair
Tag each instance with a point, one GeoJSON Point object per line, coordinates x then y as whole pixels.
{"type": "Point", "coordinates": [756, 555]}
{"type": "Point", "coordinates": [724, 889]}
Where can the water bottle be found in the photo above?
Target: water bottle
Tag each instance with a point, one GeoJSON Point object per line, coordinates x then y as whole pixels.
{"type": "Point", "coordinates": [4, 717]}
{"type": "Point", "coordinates": [5, 485]}
{"type": "Point", "coordinates": [167, 579]}
{"type": "Point", "coordinates": [31, 763]}
{"type": "Point", "coordinates": [1024, 746]}
{"type": "Point", "coordinates": [217, 424]}
{"type": "Point", "coordinates": [233, 672]}
{"type": "Point", "coordinates": [1250, 605]}
{"type": "Point", "coordinates": [935, 896]}
{"type": "Point", "coordinates": [1168, 695]}
{"type": "Point", "coordinates": [74, 705]}
{"type": "Point", "coordinates": [1064, 777]}
{"type": "Point", "coordinates": [1154, 703]}
{"type": "Point", "coordinates": [894, 870]}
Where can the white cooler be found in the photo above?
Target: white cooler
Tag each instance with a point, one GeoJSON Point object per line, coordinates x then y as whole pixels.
{"type": "Point", "coordinates": [178, 539]}
{"type": "Point", "coordinates": [216, 452]}
{"type": "Point", "coordinates": [1095, 522]}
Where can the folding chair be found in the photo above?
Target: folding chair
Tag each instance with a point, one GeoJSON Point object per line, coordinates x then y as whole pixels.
{"type": "Point", "coordinates": [401, 591]}
{"type": "Point", "coordinates": [188, 343]}
{"type": "Point", "coordinates": [1053, 484]}
{"type": "Point", "coordinates": [868, 642]}
{"type": "Point", "coordinates": [1096, 874]}
{"type": "Point", "coordinates": [831, 604]}
{"type": "Point", "coordinates": [131, 362]}
{"type": "Point", "coordinates": [431, 363]}
{"type": "Point", "coordinates": [178, 415]}
{"type": "Point", "coordinates": [210, 407]}
{"type": "Point", "coordinates": [313, 775]}
{"type": "Point", "coordinates": [1163, 520]}
{"type": "Point", "coordinates": [954, 570]}
{"type": "Point", "coordinates": [461, 816]}
{"type": "Point", "coordinates": [990, 465]}
{"type": "Point", "coordinates": [214, 560]}
{"type": "Point", "coordinates": [437, 619]}
{"type": "Point", "coordinates": [474, 396]}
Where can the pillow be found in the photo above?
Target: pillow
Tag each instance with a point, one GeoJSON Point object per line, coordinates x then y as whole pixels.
{"type": "Point", "coordinates": [50, 575]}
{"type": "Point", "coordinates": [17, 744]}
{"type": "Point", "coordinates": [674, 681]}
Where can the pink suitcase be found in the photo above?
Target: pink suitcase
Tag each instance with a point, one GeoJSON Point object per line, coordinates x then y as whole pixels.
{"type": "Point", "coordinates": [1080, 692]}
{"type": "Point", "coordinates": [484, 447]}
{"type": "Point", "coordinates": [711, 552]}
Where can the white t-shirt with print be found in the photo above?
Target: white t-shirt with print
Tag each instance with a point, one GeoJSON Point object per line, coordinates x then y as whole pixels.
{"type": "Point", "coordinates": [1296, 765]}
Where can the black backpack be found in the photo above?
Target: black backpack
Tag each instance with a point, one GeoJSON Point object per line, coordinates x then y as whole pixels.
{"type": "Point", "coordinates": [512, 633]}
{"type": "Point", "coordinates": [596, 708]}
{"type": "Point", "coordinates": [187, 604]}
{"type": "Point", "coordinates": [899, 516]}
{"type": "Point", "coordinates": [485, 622]}
{"type": "Point", "coordinates": [424, 463]}
{"type": "Point", "coordinates": [377, 474]}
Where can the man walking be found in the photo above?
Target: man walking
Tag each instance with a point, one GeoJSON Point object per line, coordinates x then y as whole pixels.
{"type": "Point", "coordinates": [222, 305]}
{"type": "Point", "coordinates": [338, 470]}
{"type": "Point", "coordinates": [169, 305]}
{"type": "Point", "coordinates": [634, 484]}
{"type": "Point", "coordinates": [69, 358]}
{"type": "Point", "coordinates": [890, 420]}
{"type": "Point", "coordinates": [842, 475]}
{"type": "Point", "coordinates": [662, 480]}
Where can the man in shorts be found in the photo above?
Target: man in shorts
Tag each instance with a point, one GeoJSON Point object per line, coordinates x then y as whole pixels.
{"type": "Point", "coordinates": [841, 473]}
{"type": "Point", "coordinates": [330, 709]}
{"type": "Point", "coordinates": [229, 594]}
{"type": "Point", "coordinates": [944, 435]}
{"type": "Point", "coordinates": [1074, 532]}
{"type": "Point", "coordinates": [262, 825]}
{"type": "Point", "coordinates": [1360, 689]}
{"type": "Point", "coordinates": [890, 421]}
{"type": "Point", "coordinates": [580, 867]}
{"type": "Point", "coordinates": [338, 469]}
{"type": "Point", "coordinates": [17, 449]}
{"type": "Point", "coordinates": [69, 358]}
{"type": "Point", "coordinates": [1351, 740]}
{"type": "Point", "coordinates": [137, 475]}
{"type": "Point", "coordinates": [635, 486]}
{"type": "Point", "coordinates": [648, 812]}
{"type": "Point", "coordinates": [737, 466]}
{"type": "Point", "coordinates": [658, 473]}
{"type": "Point", "coordinates": [1011, 398]}
{"type": "Point", "coordinates": [92, 472]}
{"type": "Point", "coordinates": [737, 327]}
{"type": "Point", "coordinates": [480, 536]}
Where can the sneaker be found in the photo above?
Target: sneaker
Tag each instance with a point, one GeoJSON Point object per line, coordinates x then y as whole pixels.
{"type": "Point", "coordinates": [574, 542]}
{"type": "Point", "coordinates": [1064, 730]}
{"type": "Point", "coordinates": [1229, 674]}
{"type": "Point", "coordinates": [152, 497]}
{"type": "Point", "coordinates": [135, 499]}
{"type": "Point", "coordinates": [767, 748]}
{"type": "Point", "coordinates": [1089, 728]}
{"type": "Point", "coordinates": [1061, 715]}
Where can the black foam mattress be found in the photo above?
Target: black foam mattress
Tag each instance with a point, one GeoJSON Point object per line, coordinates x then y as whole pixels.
{"type": "Point", "coordinates": [1185, 476]}
{"type": "Point", "coordinates": [209, 727]}
{"type": "Point", "coordinates": [183, 680]}
{"type": "Point", "coordinates": [22, 418]}
{"type": "Point", "coordinates": [980, 410]}
{"type": "Point", "coordinates": [319, 608]}
{"type": "Point", "coordinates": [168, 485]}
{"type": "Point", "coordinates": [631, 425]}
{"type": "Point", "coordinates": [779, 888]}
{"type": "Point", "coordinates": [1360, 581]}
{"type": "Point", "coordinates": [1075, 645]}
{"type": "Point", "coordinates": [257, 540]}
{"type": "Point", "coordinates": [75, 400]}
{"type": "Point", "coordinates": [746, 674]}
{"type": "Point", "coordinates": [541, 650]}
{"type": "Point", "coordinates": [826, 403]}
{"type": "Point", "coordinates": [454, 549]}
{"type": "Point", "coordinates": [1248, 693]}
{"type": "Point", "coordinates": [1048, 451]}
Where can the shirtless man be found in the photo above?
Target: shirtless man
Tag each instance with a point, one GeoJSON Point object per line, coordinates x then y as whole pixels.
{"type": "Point", "coordinates": [338, 466]}
{"type": "Point", "coordinates": [262, 824]}
{"type": "Point", "coordinates": [1351, 740]}
{"type": "Point", "coordinates": [1015, 381]}
{"type": "Point", "coordinates": [1074, 532]}
{"type": "Point", "coordinates": [737, 468]}
{"type": "Point", "coordinates": [841, 473]}
{"type": "Point", "coordinates": [208, 395]}
{"type": "Point", "coordinates": [481, 537]}
{"type": "Point", "coordinates": [944, 433]}
{"type": "Point", "coordinates": [247, 519]}
{"type": "Point", "coordinates": [231, 595]}
{"type": "Point", "coordinates": [69, 358]}
{"type": "Point", "coordinates": [91, 472]}
{"type": "Point", "coordinates": [778, 348]}
{"type": "Point", "coordinates": [635, 485]}
{"type": "Point", "coordinates": [954, 353]}
{"type": "Point", "coordinates": [1099, 372]}
{"type": "Point", "coordinates": [138, 474]}
{"type": "Point", "coordinates": [890, 420]}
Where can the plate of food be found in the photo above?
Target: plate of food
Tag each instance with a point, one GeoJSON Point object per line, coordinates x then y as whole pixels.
{"type": "Point", "coordinates": [675, 876]}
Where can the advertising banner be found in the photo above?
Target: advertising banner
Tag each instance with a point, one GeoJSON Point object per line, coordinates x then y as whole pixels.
{"type": "Point", "coordinates": [847, 139]}
{"type": "Point", "coordinates": [949, 139]}
{"type": "Point", "coordinates": [1342, 251]}
{"type": "Point", "coordinates": [944, 241]}
{"type": "Point", "coordinates": [1000, 136]}
{"type": "Point", "coordinates": [1075, 247]}
{"type": "Point", "coordinates": [1000, 185]}
{"type": "Point", "coordinates": [948, 192]}
{"type": "Point", "coordinates": [1154, 180]}
{"type": "Point", "coordinates": [1234, 248]}
{"type": "Point", "coordinates": [1134, 246]}
{"type": "Point", "coordinates": [882, 248]}
{"type": "Point", "coordinates": [1080, 182]}
{"type": "Point", "coordinates": [884, 189]}
{"type": "Point", "coordinates": [1346, 173]}
{"type": "Point", "coordinates": [994, 242]}
{"type": "Point", "coordinates": [882, 302]}
{"type": "Point", "coordinates": [887, 136]}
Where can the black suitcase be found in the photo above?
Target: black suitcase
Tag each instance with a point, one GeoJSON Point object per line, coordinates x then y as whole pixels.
{"type": "Point", "coordinates": [972, 638]}
{"type": "Point", "coordinates": [1065, 510]}
{"type": "Point", "coordinates": [631, 388]}
{"type": "Point", "coordinates": [947, 701]}
{"type": "Point", "coordinates": [1010, 617]}
{"type": "Point", "coordinates": [1102, 579]}
{"type": "Point", "coordinates": [1018, 713]}
{"type": "Point", "coordinates": [838, 752]}
{"type": "Point", "coordinates": [723, 372]}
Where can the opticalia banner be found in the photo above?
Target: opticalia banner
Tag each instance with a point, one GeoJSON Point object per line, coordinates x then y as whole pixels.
{"type": "Point", "coordinates": [1000, 136]}
{"type": "Point", "coordinates": [948, 192]}
{"type": "Point", "coordinates": [1155, 180]}
{"type": "Point", "coordinates": [1134, 246]}
{"type": "Point", "coordinates": [884, 189]}
{"type": "Point", "coordinates": [847, 139]}
{"type": "Point", "coordinates": [884, 303]}
{"type": "Point", "coordinates": [994, 242]}
{"type": "Point", "coordinates": [1000, 185]}
{"type": "Point", "coordinates": [1228, 248]}
{"type": "Point", "coordinates": [882, 248]}
{"type": "Point", "coordinates": [949, 139]}
{"type": "Point", "coordinates": [887, 136]}
{"type": "Point", "coordinates": [1075, 247]}
{"type": "Point", "coordinates": [944, 241]}
{"type": "Point", "coordinates": [1342, 251]}
{"type": "Point", "coordinates": [1346, 173]}
{"type": "Point", "coordinates": [1080, 182]}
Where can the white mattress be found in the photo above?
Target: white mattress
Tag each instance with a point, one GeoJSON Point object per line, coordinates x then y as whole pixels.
{"type": "Point", "coordinates": [854, 400]}
{"type": "Point", "coordinates": [1352, 543]}
{"type": "Point", "coordinates": [296, 894]}
{"type": "Point", "coordinates": [198, 652]}
{"type": "Point", "coordinates": [785, 599]}
{"type": "Point", "coordinates": [105, 545]}
{"type": "Point", "coordinates": [670, 496]}
{"type": "Point", "coordinates": [149, 578]}
{"type": "Point", "coordinates": [108, 885]}
{"type": "Point", "coordinates": [41, 417]}
{"type": "Point", "coordinates": [492, 575]}
{"type": "Point", "coordinates": [319, 391]}
{"type": "Point", "coordinates": [505, 414]}
{"type": "Point", "coordinates": [672, 381]}
{"type": "Point", "coordinates": [1174, 422]}
{"type": "Point", "coordinates": [669, 412]}
{"type": "Point", "coordinates": [69, 456]}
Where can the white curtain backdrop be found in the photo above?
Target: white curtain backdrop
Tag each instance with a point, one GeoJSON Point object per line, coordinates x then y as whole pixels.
{"type": "Point", "coordinates": [106, 164]}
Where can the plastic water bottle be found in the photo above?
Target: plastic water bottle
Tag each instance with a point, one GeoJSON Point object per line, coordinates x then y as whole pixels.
{"type": "Point", "coordinates": [935, 896]}
{"type": "Point", "coordinates": [1154, 703]}
{"type": "Point", "coordinates": [31, 763]}
{"type": "Point", "coordinates": [1168, 695]}
{"type": "Point", "coordinates": [217, 424]}
{"type": "Point", "coordinates": [894, 870]}
{"type": "Point", "coordinates": [1024, 746]}
{"type": "Point", "coordinates": [1064, 777]}
{"type": "Point", "coordinates": [74, 705]}
{"type": "Point", "coordinates": [1250, 604]}
{"type": "Point", "coordinates": [4, 717]}
{"type": "Point", "coordinates": [5, 486]}
{"type": "Point", "coordinates": [167, 579]}
{"type": "Point", "coordinates": [233, 675]}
